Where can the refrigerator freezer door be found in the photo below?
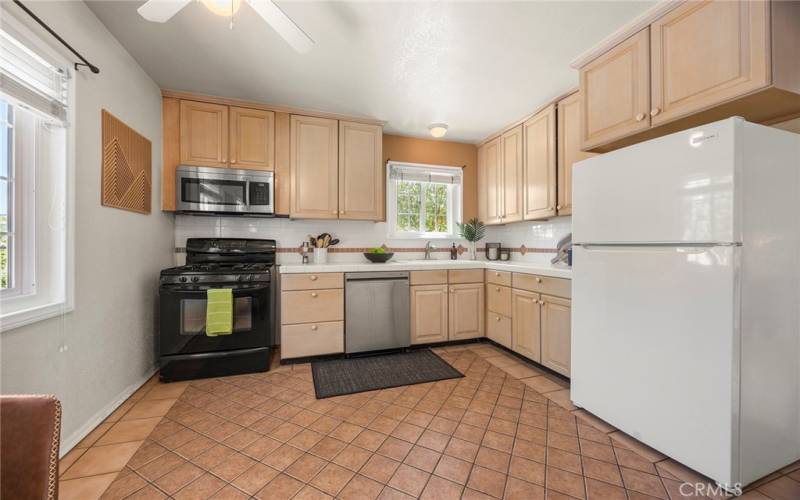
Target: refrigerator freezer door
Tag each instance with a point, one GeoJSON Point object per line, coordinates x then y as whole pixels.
{"type": "Point", "coordinates": [655, 349]}
{"type": "Point", "coordinates": [677, 188]}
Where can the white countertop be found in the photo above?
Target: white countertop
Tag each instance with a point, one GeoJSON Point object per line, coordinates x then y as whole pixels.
{"type": "Point", "coordinates": [544, 269]}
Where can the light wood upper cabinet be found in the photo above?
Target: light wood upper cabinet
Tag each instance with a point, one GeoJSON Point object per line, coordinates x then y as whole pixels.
{"type": "Point", "coordinates": [703, 53]}
{"type": "Point", "coordinates": [569, 148]}
{"type": "Point", "coordinates": [482, 208]}
{"type": "Point", "coordinates": [252, 139]}
{"type": "Point", "coordinates": [465, 312]}
{"type": "Point", "coordinates": [512, 175]}
{"type": "Point", "coordinates": [314, 158]}
{"type": "Point", "coordinates": [204, 134]}
{"type": "Point", "coordinates": [540, 164]}
{"type": "Point", "coordinates": [615, 90]}
{"type": "Point", "coordinates": [525, 324]}
{"type": "Point", "coordinates": [556, 333]}
{"type": "Point", "coordinates": [492, 159]}
{"type": "Point", "coordinates": [429, 314]}
{"type": "Point", "coordinates": [360, 171]}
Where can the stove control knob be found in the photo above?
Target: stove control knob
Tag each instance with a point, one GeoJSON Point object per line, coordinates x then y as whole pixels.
{"type": "Point", "coordinates": [182, 279]}
{"type": "Point", "coordinates": [250, 277]}
{"type": "Point", "coordinates": [195, 279]}
{"type": "Point", "coordinates": [240, 278]}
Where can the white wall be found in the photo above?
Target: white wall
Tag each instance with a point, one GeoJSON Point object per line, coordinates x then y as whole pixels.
{"type": "Point", "coordinates": [110, 336]}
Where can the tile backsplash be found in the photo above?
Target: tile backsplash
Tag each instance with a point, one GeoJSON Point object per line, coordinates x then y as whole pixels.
{"type": "Point", "coordinates": [291, 234]}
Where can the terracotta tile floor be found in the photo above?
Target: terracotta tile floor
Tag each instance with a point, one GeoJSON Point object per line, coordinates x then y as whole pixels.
{"type": "Point", "coordinates": [506, 430]}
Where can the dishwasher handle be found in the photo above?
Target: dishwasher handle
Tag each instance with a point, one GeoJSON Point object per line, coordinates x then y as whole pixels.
{"type": "Point", "coordinates": [376, 276]}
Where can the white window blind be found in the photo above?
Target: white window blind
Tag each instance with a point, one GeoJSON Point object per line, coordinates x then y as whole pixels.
{"type": "Point", "coordinates": [29, 78]}
{"type": "Point", "coordinates": [425, 173]}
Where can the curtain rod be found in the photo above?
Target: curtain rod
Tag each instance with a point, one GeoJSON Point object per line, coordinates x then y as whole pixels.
{"type": "Point", "coordinates": [86, 63]}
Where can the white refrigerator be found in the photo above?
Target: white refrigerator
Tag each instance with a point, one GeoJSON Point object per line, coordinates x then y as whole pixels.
{"type": "Point", "coordinates": [686, 296]}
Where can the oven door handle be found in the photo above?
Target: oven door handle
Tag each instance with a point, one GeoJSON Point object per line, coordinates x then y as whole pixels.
{"type": "Point", "coordinates": [247, 193]}
{"type": "Point", "coordinates": [235, 288]}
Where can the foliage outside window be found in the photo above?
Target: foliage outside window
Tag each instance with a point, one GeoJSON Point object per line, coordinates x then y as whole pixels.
{"type": "Point", "coordinates": [423, 201]}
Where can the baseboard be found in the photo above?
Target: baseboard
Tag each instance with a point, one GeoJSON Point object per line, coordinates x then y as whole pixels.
{"type": "Point", "coordinates": [69, 442]}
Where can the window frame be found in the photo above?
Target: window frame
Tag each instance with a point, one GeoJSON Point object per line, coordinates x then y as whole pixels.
{"type": "Point", "coordinates": [454, 202]}
{"type": "Point", "coordinates": [7, 122]}
{"type": "Point", "coordinates": [20, 309]}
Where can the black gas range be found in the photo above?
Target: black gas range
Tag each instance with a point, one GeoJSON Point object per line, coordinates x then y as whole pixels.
{"type": "Point", "coordinates": [247, 267]}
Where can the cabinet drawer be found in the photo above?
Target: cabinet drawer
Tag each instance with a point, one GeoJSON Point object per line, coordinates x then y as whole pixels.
{"type": "Point", "coordinates": [498, 328]}
{"type": "Point", "coordinates": [312, 281]}
{"type": "Point", "coordinates": [498, 277]}
{"type": "Point", "coordinates": [559, 287]}
{"type": "Point", "coordinates": [309, 306]}
{"type": "Point", "coordinates": [457, 276]}
{"type": "Point", "coordinates": [498, 299]}
{"type": "Point", "coordinates": [438, 277]}
{"type": "Point", "coordinates": [312, 339]}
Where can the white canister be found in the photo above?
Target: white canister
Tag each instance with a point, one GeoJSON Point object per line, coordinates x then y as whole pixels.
{"type": "Point", "coordinates": [320, 256]}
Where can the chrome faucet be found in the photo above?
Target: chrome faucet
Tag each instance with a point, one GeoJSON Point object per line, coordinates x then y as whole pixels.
{"type": "Point", "coordinates": [428, 247]}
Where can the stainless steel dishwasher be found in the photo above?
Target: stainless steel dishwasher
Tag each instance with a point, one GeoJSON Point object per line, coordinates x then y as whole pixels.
{"type": "Point", "coordinates": [376, 311]}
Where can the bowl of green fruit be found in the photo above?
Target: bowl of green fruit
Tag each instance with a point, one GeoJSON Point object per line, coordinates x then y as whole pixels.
{"type": "Point", "coordinates": [378, 255]}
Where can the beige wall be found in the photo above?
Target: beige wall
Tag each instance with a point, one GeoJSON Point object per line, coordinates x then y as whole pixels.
{"type": "Point", "coordinates": [414, 150]}
{"type": "Point", "coordinates": [93, 357]}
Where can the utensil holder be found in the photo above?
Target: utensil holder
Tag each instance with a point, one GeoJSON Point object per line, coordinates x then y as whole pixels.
{"type": "Point", "coordinates": [320, 256]}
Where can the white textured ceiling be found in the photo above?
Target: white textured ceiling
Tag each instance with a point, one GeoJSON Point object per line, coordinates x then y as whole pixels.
{"type": "Point", "coordinates": [476, 66]}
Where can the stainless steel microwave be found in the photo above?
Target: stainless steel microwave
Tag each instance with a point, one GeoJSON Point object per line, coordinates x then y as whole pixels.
{"type": "Point", "coordinates": [224, 191]}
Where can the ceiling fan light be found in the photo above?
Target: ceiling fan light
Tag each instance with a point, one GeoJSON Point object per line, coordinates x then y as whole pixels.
{"type": "Point", "coordinates": [223, 8]}
{"type": "Point", "coordinates": [438, 129]}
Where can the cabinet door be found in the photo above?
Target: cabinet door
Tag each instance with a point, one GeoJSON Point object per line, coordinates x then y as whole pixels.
{"type": "Point", "coordinates": [252, 138]}
{"type": "Point", "coordinates": [540, 164]}
{"type": "Point", "coordinates": [314, 159]}
{"type": "Point", "coordinates": [525, 327]}
{"type": "Point", "coordinates": [482, 188]}
{"type": "Point", "coordinates": [569, 148]}
{"type": "Point", "coordinates": [494, 183]}
{"type": "Point", "coordinates": [428, 314]}
{"type": "Point", "coordinates": [705, 53]}
{"type": "Point", "coordinates": [466, 311]}
{"type": "Point", "coordinates": [360, 171]}
{"type": "Point", "coordinates": [511, 168]}
{"type": "Point", "coordinates": [498, 328]}
{"type": "Point", "coordinates": [556, 334]}
{"type": "Point", "coordinates": [204, 134]}
{"type": "Point", "coordinates": [615, 90]}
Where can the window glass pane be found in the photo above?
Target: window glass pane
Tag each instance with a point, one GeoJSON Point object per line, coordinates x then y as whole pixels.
{"type": "Point", "coordinates": [5, 138]}
{"type": "Point", "coordinates": [436, 208]}
{"type": "Point", "coordinates": [4, 198]}
{"type": "Point", "coordinates": [408, 206]}
{"type": "Point", "coordinates": [5, 280]}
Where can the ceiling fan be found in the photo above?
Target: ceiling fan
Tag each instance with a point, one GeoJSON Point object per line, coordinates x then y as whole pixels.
{"type": "Point", "coordinates": [161, 11]}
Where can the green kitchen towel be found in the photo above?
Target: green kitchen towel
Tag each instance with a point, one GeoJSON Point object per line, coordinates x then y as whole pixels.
{"type": "Point", "coordinates": [219, 312]}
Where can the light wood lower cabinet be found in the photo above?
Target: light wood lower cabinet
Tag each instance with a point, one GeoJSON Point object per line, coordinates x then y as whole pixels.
{"type": "Point", "coordinates": [498, 299]}
{"type": "Point", "coordinates": [311, 314]}
{"type": "Point", "coordinates": [498, 328]}
{"type": "Point", "coordinates": [525, 324]}
{"type": "Point", "coordinates": [428, 314]}
{"type": "Point", "coordinates": [312, 339]}
{"type": "Point", "coordinates": [556, 333]}
{"type": "Point", "coordinates": [465, 311]}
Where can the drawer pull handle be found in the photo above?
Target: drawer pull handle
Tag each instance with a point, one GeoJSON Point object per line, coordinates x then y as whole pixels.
{"type": "Point", "coordinates": [314, 327]}
{"type": "Point", "coordinates": [538, 280]}
{"type": "Point", "coordinates": [655, 111]}
{"type": "Point", "coordinates": [313, 278]}
{"type": "Point", "coordinates": [314, 294]}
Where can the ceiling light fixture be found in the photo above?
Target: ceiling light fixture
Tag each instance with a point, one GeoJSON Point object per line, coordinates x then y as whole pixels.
{"type": "Point", "coordinates": [438, 129]}
{"type": "Point", "coordinates": [223, 8]}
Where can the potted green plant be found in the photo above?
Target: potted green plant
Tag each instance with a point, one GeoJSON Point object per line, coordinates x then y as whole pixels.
{"type": "Point", "coordinates": [473, 231]}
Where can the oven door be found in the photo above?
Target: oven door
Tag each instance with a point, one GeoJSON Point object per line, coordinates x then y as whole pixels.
{"type": "Point", "coordinates": [183, 319]}
{"type": "Point", "coordinates": [216, 190]}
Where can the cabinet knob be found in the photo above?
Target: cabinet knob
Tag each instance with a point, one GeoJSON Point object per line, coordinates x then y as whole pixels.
{"type": "Point", "coordinates": [497, 289]}
{"type": "Point", "coordinates": [233, 160]}
{"type": "Point", "coordinates": [497, 318]}
{"type": "Point", "coordinates": [341, 212]}
{"type": "Point", "coordinates": [655, 111]}
{"type": "Point", "coordinates": [558, 207]}
{"type": "Point", "coordinates": [314, 294]}
{"type": "Point", "coordinates": [541, 302]}
{"type": "Point", "coordinates": [314, 327]}
{"type": "Point", "coordinates": [452, 290]}
{"type": "Point", "coordinates": [538, 280]}
{"type": "Point", "coordinates": [335, 212]}
{"type": "Point", "coordinates": [640, 117]}
{"type": "Point", "coordinates": [313, 277]}
{"type": "Point", "coordinates": [497, 274]}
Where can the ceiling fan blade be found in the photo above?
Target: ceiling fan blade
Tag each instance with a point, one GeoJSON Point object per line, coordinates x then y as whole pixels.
{"type": "Point", "coordinates": [283, 24]}
{"type": "Point", "coordinates": [160, 11]}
